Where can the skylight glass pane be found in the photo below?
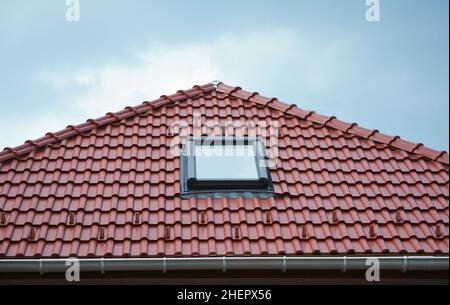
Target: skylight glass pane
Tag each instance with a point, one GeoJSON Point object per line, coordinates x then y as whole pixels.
{"type": "Point", "coordinates": [225, 162]}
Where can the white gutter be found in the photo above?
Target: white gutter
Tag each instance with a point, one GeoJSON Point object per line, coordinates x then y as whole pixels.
{"type": "Point", "coordinates": [343, 264]}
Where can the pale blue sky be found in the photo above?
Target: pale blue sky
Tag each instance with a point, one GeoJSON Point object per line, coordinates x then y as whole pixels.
{"type": "Point", "coordinates": [320, 54]}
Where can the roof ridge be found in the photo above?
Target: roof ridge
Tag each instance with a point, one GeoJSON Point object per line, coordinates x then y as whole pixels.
{"type": "Point", "coordinates": [129, 112]}
{"type": "Point", "coordinates": [332, 122]}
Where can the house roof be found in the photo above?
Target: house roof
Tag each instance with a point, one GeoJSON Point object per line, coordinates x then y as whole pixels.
{"type": "Point", "coordinates": [110, 187]}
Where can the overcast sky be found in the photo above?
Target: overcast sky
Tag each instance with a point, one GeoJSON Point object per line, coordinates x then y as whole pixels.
{"type": "Point", "coordinates": [323, 55]}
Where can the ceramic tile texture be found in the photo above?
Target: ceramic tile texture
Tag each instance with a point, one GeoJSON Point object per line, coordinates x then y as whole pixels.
{"type": "Point", "coordinates": [110, 188]}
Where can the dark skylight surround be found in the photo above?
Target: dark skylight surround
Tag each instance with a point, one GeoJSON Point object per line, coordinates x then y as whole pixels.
{"type": "Point", "coordinates": [225, 164]}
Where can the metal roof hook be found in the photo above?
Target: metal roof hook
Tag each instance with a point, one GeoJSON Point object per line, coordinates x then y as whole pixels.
{"type": "Point", "coordinates": [216, 82]}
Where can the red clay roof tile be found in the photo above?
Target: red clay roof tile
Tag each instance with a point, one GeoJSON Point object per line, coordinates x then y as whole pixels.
{"type": "Point", "coordinates": [110, 187]}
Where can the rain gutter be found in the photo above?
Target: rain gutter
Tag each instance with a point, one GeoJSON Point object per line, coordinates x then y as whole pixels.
{"type": "Point", "coordinates": [224, 264]}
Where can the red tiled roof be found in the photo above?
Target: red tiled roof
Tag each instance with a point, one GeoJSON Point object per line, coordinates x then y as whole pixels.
{"type": "Point", "coordinates": [109, 187]}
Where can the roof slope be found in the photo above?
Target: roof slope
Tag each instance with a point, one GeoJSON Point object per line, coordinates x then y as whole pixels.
{"type": "Point", "coordinates": [109, 187]}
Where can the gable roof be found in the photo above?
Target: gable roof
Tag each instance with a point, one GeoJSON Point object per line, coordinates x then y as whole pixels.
{"type": "Point", "coordinates": [108, 187]}
{"type": "Point", "coordinates": [182, 95]}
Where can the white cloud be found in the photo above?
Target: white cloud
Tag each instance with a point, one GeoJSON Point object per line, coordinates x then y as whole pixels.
{"type": "Point", "coordinates": [162, 69]}
{"type": "Point", "coordinates": [161, 72]}
{"type": "Point", "coordinates": [113, 87]}
{"type": "Point", "coordinates": [258, 60]}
